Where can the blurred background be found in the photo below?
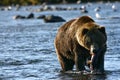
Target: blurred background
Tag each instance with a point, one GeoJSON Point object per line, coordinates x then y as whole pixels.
{"type": "Point", "coordinates": [36, 2]}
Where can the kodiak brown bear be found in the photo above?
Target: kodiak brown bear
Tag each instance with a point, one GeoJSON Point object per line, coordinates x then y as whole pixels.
{"type": "Point", "coordinates": [81, 42]}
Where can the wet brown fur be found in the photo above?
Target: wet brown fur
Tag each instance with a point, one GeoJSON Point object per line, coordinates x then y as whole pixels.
{"type": "Point", "coordinates": [69, 49]}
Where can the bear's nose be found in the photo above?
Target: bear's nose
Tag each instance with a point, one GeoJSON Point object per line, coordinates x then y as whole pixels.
{"type": "Point", "coordinates": [95, 51]}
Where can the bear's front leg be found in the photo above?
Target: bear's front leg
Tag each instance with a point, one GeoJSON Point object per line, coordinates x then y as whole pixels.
{"type": "Point", "coordinates": [66, 64]}
{"type": "Point", "coordinates": [79, 62]}
{"type": "Point", "coordinates": [98, 64]}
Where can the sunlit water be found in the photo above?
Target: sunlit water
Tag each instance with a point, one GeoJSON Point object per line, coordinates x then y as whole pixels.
{"type": "Point", "coordinates": [27, 46]}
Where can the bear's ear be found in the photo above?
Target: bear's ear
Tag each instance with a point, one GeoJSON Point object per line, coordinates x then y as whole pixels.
{"type": "Point", "coordinates": [102, 29]}
{"type": "Point", "coordinates": [84, 31]}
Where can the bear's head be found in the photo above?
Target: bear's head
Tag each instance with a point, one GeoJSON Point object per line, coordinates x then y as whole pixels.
{"type": "Point", "coordinates": [93, 37]}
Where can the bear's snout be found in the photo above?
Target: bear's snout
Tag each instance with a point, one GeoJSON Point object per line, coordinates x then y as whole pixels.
{"type": "Point", "coordinates": [94, 49]}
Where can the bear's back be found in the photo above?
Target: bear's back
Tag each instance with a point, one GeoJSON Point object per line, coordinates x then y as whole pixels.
{"type": "Point", "coordinates": [64, 27]}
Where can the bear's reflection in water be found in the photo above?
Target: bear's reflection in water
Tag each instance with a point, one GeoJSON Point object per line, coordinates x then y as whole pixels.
{"type": "Point", "coordinates": [73, 75]}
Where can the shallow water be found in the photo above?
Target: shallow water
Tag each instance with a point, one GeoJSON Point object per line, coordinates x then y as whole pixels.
{"type": "Point", "coordinates": [27, 51]}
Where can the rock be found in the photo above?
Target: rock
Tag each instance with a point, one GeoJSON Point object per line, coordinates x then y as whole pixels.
{"type": "Point", "coordinates": [114, 8]}
{"type": "Point", "coordinates": [19, 17]}
{"type": "Point", "coordinates": [30, 16]}
{"type": "Point", "coordinates": [18, 7]}
{"type": "Point", "coordinates": [52, 18]}
{"type": "Point", "coordinates": [83, 9]}
{"type": "Point", "coordinates": [41, 17]}
{"type": "Point", "coordinates": [97, 9]}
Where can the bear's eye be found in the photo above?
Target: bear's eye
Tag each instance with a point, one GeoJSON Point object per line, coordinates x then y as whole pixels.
{"type": "Point", "coordinates": [84, 31]}
{"type": "Point", "coordinates": [88, 41]}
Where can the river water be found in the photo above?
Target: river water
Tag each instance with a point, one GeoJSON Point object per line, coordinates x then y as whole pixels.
{"type": "Point", "coordinates": [27, 45]}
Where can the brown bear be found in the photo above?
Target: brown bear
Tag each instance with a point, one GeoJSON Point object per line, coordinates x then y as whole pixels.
{"type": "Point", "coordinates": [81, 41]}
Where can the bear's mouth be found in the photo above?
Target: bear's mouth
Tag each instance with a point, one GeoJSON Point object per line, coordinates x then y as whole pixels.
{"type": "Point", "coordinates": [94, 62]}
{"type": "Point", "coordinates": [89, 62]}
